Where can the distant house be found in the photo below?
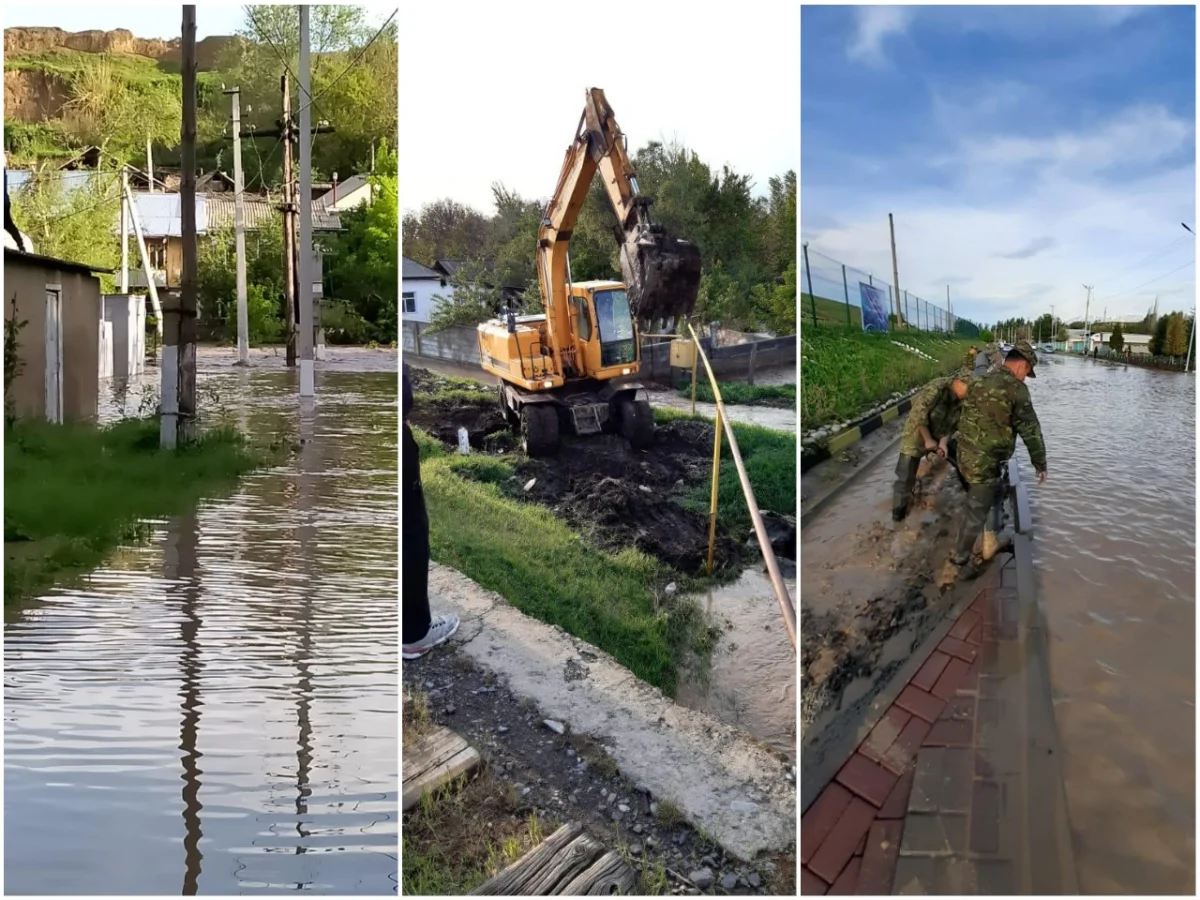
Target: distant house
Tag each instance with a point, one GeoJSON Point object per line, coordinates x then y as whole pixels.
{"type": "Point", "coordinates": [161, 217]}
{"type": "Point", "coordinates": [447, 267]}
{"type": "Point", "coordinates": [418, 285]}
{"type": "Point", "coordinates": [59, 345]}
{"type": "Point", "coordinates": [1134, 343]}
{"type": "Point", "coordinates": [349, 194]}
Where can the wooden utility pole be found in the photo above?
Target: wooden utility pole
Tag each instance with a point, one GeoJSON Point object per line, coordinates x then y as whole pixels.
{"type": "Point", "coordinates": [289, 227]}
{"type": "Point", "coordinates": [895, 273]}
{"type": "Point", "coordinates": [305, 255]}
{"type": "Point", "coordinates": [187, 326]}
{"type": "Point", "coordinates": [239, 231]}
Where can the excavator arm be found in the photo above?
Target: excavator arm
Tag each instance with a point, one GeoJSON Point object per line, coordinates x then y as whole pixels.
{"type": "Point", "coordinates": [661, 272]}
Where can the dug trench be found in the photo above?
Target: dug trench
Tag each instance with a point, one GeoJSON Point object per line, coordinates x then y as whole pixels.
{"type": "Point", "coordinates": [870, 598]}
{"type": "Point", "coordinates": [612, 495]}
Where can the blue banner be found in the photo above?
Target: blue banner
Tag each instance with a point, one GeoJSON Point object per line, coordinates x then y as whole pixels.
{"type": "Point", "coordinates": [874, 307]}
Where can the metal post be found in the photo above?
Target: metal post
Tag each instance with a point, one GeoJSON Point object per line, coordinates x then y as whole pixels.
{"type": "Point", "coordinates": [141, 239]}
{"type": "Point", "coordinates": [188, 331]}
{"type": "Point", "coordinates": [289, 227]}
{"type": "Point", "coordinates": [305, 253]}
{"type": "Point", "coordinates": [149, 166]}
{"type": "Point", "coordinates": [846, 291]}
{"type": "Point", "coordinates": [239, 231]}
{"type": "Point", "coordinates": [1191, 338]}
{"type": "Point", "coordinates": [895, 265]}
{"type": "Point", "coordinates": [125, 233]}
{"type": "Point", "coordinates": [712, 505]}
{"type": "Point", "coordinates": [808, 271]}
{"type": "Point", "coordinates": [695, 362]}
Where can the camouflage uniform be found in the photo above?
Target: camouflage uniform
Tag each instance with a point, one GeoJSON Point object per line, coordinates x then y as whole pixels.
{"type": "Point", "coordinates": [935, 407]}
{"type": "Point", "coordinates": [997, 408]}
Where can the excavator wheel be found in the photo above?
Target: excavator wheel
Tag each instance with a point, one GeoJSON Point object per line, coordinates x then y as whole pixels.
{"type": "Point", "coordinates": [539, 429]}
{"type": "Point", "coordinates": [637, 423]}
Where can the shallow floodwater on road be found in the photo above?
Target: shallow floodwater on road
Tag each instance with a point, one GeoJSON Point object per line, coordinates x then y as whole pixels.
{"type": "Point", "coordinates": [1115, 543]}
{"type": "Point", "coordinates": [216, 711]}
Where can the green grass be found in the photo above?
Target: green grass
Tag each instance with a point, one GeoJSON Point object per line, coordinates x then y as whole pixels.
{"type": "Point", "coordinates": [73, 493]}
{"type": "Point", "coordinates": [844, 372]}
{"type": "Point", "coordinates": [770, 458]}
{"type": "Point", "coordinates": [829, 312]}
{"type": "Point", "coordinates": [738, 392]}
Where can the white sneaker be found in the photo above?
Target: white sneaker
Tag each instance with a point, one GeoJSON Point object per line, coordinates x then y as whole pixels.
{"type": "Point", "coordinates": [440, 630]}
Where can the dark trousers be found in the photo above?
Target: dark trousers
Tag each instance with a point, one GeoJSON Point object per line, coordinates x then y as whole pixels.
{"type": "Point", "coordinates": [981, 500]}
{"type": "Point", "coordinates": [906, 479]}
{"type": "Point", "coordinates": [414, 539]}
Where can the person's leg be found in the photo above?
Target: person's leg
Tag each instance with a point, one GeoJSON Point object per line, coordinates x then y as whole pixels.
{"type": "Point", "coordinates": [414, 531]}
{"type": "Point", "coordinates": [980, 498]}
{"type": "Point", "coordinates": [952, 458]}
{"type": "Point", "coordinates": [906, 479]}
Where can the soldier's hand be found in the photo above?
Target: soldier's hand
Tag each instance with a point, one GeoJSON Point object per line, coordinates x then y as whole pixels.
{"type": "Point", "coordinates": [930, 446]}
{"type": "Point", "coordinates": [941, 448]}
{"type": "Point", "coordinates": [1042, 477]}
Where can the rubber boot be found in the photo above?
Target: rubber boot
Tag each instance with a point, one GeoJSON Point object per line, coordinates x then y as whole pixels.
{"type": "Point", "coordinates": [991, 544]}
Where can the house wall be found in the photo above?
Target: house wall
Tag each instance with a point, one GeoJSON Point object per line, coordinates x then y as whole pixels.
{"type": "Point", "coordinates": [424, 288]}
{"type": "Point", "coordinates": [456, 344]}
{"type": "Point", "coordinates": [26, 281]}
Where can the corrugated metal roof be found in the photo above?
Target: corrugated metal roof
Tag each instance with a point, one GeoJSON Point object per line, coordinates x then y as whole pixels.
{"type": "Point", "coordinates": [161, 214]}
{"type": "Point", "coordinates": [220, 212]}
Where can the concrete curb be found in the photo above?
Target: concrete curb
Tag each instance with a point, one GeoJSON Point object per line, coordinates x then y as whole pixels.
{"type": "Point", "coordinates": [721, 780]}
{"type": "Point", "coordinates": [818, 506]}
{"type": "Point", "coordinates": [818, 453]}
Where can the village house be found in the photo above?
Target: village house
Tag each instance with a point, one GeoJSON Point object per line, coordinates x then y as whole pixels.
{"type": "Point", "coordinates": [58, 344]}
{"type": "Point", "coordinates": [418, 286]}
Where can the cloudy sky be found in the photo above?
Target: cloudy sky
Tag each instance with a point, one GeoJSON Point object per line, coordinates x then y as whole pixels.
{"type": "Point", "coordinates": [1024, 151]}
{"type": "Point", "coordinates": [493, 92]}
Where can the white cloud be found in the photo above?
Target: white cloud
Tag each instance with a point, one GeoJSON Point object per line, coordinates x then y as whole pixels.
{"type": "Point", "coordinates": [1085, 225]}
{"type": "Point", "coordinates": [874, 23]}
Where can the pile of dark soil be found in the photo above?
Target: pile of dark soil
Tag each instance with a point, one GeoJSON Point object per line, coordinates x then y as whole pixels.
{"type": "Point", "coordinates": [441, 407]}
{"type": "Point", "coordinates": [619, 497]}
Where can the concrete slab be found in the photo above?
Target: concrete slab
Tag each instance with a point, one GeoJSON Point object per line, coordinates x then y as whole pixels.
{"type": "Point", "coordinates": [721, 780]}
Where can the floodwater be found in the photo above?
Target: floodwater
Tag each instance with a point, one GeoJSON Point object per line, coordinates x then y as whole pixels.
{"type": "Point", "coordinates": [751, 679]}
{"type": "Point", "coordinates": [1114, 544]}
{"type": "Point", "coordinates": [216, 711]}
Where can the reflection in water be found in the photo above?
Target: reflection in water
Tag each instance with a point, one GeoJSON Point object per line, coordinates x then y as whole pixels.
{"type": "Point", "coordinates": [249, 650]}
{"type": "Point", "coordinates": [1114, 539]}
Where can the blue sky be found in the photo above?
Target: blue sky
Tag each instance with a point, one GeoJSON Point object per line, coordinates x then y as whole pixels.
{"type": "Point", "coordinates": [1023, 150]}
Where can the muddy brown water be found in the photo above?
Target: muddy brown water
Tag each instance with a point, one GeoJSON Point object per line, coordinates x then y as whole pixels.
{"type": "Point", "coordinates": [1114, 546]}
{"type": "Point", "coordinates": [216, 711]}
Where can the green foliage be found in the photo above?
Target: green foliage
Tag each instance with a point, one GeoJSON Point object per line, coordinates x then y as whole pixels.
{"type": "Point", "coordinates": [474, 297]}
{"type": "Point", "coordinates": [1176, 338]}
{"type": "Point", "coordinates": [775, 305]}
{"type": "Point", "coordinates": [1063, 334]}
{"type": "Point", "coordinates": [361, 269]}
{"type": "Point", "coordinates": [216, 280]}
{"type": "Point", "coordinates": [13, 364]}
{"type": "Point", "coordinates": [74, 225]}
{"type": "Point", "coordinates": [1159, 339]}
{"type": "Point", "coordinates": [1117, 339]}
{"type": "Point", "coordinates": [738, 392]}
{"type": "Point", "coordinates": [985, 335]}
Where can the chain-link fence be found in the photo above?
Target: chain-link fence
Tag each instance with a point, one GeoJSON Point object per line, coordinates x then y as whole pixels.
{"type": "Point", "coordinates": [833, 293]}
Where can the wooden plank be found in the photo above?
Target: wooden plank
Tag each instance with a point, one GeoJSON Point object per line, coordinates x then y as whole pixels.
{"type": "Point", "coordinates": [437, 758]}
{"type": "Point", "coordinates": [550, 868]}
{"type": "Point", "coordinates": [608, 875]}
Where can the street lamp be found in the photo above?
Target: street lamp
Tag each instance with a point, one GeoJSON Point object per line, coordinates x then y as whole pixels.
{"type": "Point", "coordinates": [1187, 367]}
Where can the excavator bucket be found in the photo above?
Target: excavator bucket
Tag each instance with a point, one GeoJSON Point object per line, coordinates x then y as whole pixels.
{"type": "Point", "coordinates": [661, 274]}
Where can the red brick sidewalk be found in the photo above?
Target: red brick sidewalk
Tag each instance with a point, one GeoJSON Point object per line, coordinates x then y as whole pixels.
{"type": "Point", "coordinates": [918, 783]}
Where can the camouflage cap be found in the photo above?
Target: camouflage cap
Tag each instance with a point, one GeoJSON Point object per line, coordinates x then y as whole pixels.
{"type": "Point", "coordinates": [1025, 350]}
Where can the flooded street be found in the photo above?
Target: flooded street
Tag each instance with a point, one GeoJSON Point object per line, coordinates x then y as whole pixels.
{"type": "Point", "coordinates": [216, 711]}
{"type": "Point", "coordinates": [751, 681]}
{"type": "Point", "coordinates": [1114, 545]}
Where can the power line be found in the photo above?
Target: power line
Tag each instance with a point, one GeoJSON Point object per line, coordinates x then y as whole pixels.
{"type": "Point", "coordinates": [1151, 281]}
{"type": "Point", "coordinates": [363, 52]}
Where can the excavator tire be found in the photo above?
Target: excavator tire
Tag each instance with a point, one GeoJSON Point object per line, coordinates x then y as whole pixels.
{"type": "Point", "coordinates": [637, 423]}
{"type": "Point", "coordinates": [539, 429]}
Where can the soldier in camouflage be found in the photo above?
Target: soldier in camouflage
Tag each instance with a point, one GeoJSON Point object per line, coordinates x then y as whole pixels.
{"type": "Point", "coordinates": [997, 408]}
{"type": "Point", "coordinates": [930, 423]}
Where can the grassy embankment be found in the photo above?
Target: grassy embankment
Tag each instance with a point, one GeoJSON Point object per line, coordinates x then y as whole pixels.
{"type": "Point", "coordinates": [845, 372]}
{"type": "Point", "coordinates": [739, 392]}
{"type": "Point", "coordinates": [524, 552]}
{"type": "Point", "coordinates": [829, 312]}
{"type": "Point", "coordinates": [73, 493]}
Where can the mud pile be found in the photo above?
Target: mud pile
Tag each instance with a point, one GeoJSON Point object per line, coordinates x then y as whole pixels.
{"type": "Point", "coordinates": [616, 497]}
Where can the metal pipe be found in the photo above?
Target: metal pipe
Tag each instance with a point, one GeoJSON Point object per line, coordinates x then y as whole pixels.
{"type": "Point", "coordinates": [696, 362]}
{"type": "Point", "coordinates": [712, 503]}
{"type": "Point", "coordinates": [760, 528]}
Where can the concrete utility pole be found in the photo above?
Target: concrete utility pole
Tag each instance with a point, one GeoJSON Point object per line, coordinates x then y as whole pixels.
{"type": "Point", "coordinates": [124, 231]}
{"type": "Point", "coordinates": [895, 271]}
{"type": "Point", "coordinates": [149, 166]}
{"type": "Point", "coordinates": [1087, 337]}
{"type": "Point", "coordinates": [307, 374]}
{"type": "Point", "coordinates": [289, 227]}
{"type": "Point", "coordinates": [239, 231]}
{"type": "Point", "coordinates": [146, 268]}
{"type": "Point", "coordinates": [949, 313]}
{"type": "Point", "coordinates": [179, 350]}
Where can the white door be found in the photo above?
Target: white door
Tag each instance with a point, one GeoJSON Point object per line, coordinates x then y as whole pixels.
{"type": "Point", "coordinates": [54, 374]}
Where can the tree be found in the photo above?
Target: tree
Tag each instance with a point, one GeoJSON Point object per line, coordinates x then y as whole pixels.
{"type": "Point", "coordinates": [775, 305]}
{"type": "Point", "coordinates": [216, 284]}
{"type": "Point", "coordinates": [475, 298]}
{"type": "Point", "coordinates": [1116, 340]}
{"type": "Point", "coordinates": [1062, 335]}
{"type": "Point", "coordinates": [1159, 339]}
{"type": "Point", "coordinates": [1175, 343]}
{"type": "Point", "coordinates": [985, 335]}
{"type": "Point", "coordinates": [445, 229]}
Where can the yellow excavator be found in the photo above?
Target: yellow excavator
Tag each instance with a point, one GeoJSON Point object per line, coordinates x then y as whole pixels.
{"type": "Point", "coordinates": [570, 370]}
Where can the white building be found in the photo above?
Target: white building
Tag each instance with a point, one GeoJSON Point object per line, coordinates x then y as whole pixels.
{"type": "Point", "coordinates": [1136, 343]}
{"type": "Point", "coordinates": [418, 285]}
{"type": "Point", "coordinates": [349, 194]}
